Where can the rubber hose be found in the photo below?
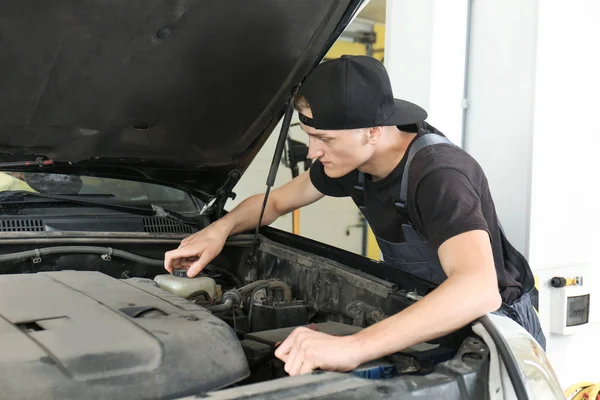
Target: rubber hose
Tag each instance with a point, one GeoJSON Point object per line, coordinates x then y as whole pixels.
{"type": "Point", "coordinates": [226, 306]}
{"type": "Point", "coordinates": [263, 285]}
{"type": "Point", "coordinates": [287, 292]}
{"type": "Point", "coordinates": [46, 251]}
{"type": "Point", "coordinates": [223, 271]}
{"type": "Point", "coordinates": [244, 290]}
{"type": "Point", "coordinates": [202, 293]}
{"type": "Point", "coordinates": [270, 283]}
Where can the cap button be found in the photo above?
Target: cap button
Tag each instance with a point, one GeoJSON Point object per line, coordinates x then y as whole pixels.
{"type": "Point", "coordinates": [345, 57]}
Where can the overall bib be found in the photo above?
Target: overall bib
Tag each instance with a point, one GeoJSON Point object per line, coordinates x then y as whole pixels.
{"type": "Point", "coordinates": [418, 257]}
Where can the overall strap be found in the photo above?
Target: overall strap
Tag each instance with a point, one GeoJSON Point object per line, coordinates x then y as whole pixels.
{"type": "Point", "coordinates": [426, 140]}
{"type": "Point", "coordinates": [359, 191]}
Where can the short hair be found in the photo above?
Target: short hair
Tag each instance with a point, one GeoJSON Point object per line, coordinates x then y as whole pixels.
{"type": "Point", "coordinates": [410, 128]}
{"type": "Point", "coordinates": [300, 102]}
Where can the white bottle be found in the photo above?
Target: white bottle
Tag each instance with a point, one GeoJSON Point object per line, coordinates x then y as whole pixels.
{"type": "Point", "coordinates": [186, 287]}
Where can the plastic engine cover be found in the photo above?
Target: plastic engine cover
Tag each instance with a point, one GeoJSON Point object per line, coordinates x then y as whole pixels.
{"type": "Point", "coordinates": [86, 335]}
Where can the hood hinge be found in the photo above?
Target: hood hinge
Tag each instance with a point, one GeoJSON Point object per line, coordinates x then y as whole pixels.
{"type": "Point", "coordinates": [225, 192]}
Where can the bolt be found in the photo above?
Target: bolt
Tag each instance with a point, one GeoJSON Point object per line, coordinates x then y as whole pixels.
{"type": "Point", "coordinates": [163, 33]}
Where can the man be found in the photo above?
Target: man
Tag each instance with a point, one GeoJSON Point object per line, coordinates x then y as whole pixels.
{"type": "Point", "coordinates": [427, 201]}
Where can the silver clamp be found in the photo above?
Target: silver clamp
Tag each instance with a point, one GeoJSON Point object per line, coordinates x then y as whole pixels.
{"type": "Point", "coordinates": [38, 257]}
{"type": "Point", "coordinates": [107, 257]}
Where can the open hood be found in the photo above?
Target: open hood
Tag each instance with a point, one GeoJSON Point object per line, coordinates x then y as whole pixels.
{"type": "Point", "coordinates": [176, 92]}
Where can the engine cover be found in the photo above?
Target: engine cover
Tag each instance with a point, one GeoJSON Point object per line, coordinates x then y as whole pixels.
{"type": "Point", "coordinates": [86, 335]}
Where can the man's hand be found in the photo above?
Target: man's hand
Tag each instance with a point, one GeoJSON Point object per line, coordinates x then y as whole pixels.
{"type": "Point", "coordinates": [306, 350]}
{"type": "Point", "coordinates": [197, 250]}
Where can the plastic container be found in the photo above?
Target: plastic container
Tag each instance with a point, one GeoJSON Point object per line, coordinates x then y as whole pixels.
{"type": "Point", "coordinates": [186, 287]}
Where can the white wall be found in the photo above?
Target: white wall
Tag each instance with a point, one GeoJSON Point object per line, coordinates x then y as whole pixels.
{"type": "Point", "coordinates": [564, 236]}
{"type": "Point", "coordinates": [500, 114]}
{"type": "Point", "coordinates": [425, 58]}
{"type": "Point", "coordinates": [408, 39]}
{"type": "Point", "coordinates": [531, 123]}
{"type": "Point", "coordinates": [564, 214]}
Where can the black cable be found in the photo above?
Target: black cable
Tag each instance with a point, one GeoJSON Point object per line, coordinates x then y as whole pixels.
{"type": "Point", "coordinates": [510, 363]}
{"type": "Point", "coordinates": [223, 271]}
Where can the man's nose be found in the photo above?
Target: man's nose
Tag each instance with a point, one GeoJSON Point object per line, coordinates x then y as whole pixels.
{"type": "Point", "coordinates": [313, 149]}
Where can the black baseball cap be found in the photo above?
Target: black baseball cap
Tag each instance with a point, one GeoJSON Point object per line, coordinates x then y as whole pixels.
{"type": "Point", "coordinates": [354, 92]}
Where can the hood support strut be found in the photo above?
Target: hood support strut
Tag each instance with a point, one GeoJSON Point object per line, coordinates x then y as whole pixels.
{"type": "Point", "coordinates": [285, 127]}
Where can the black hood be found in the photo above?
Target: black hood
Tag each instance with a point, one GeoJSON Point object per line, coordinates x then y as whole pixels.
{"type": "Point", "coordinates": [176, 92]}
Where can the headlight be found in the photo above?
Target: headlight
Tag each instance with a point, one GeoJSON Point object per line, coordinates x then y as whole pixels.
{"type": "Point", "coordinates": [540, 379]}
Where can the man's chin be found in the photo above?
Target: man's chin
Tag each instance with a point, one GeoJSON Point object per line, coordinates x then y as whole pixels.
{"type": "Point", "coordinates": [334, 172]}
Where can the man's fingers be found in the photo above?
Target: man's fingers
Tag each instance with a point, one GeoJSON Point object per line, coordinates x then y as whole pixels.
{"type": "Point", "coordinates": [296, 356]}
{"type": "Point", "coordinates": [306, 367]}
{"type": "Point", "coordinates": [177, 254]}
{"type": "Point", "coordinates": [199, 264]}
{"type": "Point", "coordinates": [285, 347]}
{"type": "Point", "coordinates": [168, 262]}
{"type": "Point", "coordinates": [283, 357]}
{"type": "Point", "coordinates": [293, 358]}
{"type": "Point", "coordinates": [186, 262]}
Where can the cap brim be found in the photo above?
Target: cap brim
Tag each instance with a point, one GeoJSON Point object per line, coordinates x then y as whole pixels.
{"type": "Point", "coordinates": [405, 113]}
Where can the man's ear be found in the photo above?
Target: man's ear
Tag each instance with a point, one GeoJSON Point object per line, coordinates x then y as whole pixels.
{"type": "Point", "coordinates": [375, 133]}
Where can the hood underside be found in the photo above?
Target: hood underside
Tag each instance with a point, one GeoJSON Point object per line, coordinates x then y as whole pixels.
{"type": "Point", "coordinates": [180, 92]}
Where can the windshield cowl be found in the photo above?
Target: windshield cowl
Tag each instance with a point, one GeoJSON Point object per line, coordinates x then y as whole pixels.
{"type": "Point", "coordinates": [98, 190]}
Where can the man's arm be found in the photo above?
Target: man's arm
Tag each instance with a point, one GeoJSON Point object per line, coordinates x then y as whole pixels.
{"type": "Point", "coordinates": [208, 243]}
{"type": "Point", "coordinates": [470, 291]}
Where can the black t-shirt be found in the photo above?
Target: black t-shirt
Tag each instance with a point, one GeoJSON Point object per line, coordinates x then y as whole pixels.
{"type": "Point", "coordinates": [453, 197]}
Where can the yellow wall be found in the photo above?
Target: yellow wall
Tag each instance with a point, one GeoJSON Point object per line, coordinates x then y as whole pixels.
{"type": "Point", "coordinates": [380, 41]}
{"type": "Point", "coordinates": [342, 47]}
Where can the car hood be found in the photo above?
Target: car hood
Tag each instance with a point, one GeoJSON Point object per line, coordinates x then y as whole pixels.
{"type": "Point", "coordinates": [176, 92]}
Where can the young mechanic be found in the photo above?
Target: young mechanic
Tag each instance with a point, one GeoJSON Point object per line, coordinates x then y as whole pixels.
{"type": "Point", "coordinates": [438, 221]}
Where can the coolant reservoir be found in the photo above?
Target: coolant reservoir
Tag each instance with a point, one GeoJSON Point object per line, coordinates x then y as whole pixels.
{"type": "Point", "coordinates": [186, 287]}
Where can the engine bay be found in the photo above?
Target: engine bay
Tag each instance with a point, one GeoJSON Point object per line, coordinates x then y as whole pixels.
{"type": "Point", "coordinates": [219, 329]}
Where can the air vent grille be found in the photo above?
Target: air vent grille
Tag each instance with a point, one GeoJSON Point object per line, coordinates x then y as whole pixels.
{"type": "Point", "coordinates": [162, 225]}
{"type": "Point", "coordinates": [22, 225]}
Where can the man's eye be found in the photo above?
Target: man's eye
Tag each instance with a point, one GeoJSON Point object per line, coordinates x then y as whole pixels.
{"type": "Point", "coordinates": [324, 139]}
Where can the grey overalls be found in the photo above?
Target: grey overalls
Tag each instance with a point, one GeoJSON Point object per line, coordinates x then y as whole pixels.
{"type": "Point", "coordinates": [418, 257]}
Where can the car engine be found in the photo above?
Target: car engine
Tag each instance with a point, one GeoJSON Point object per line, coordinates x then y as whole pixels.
{"type": "Point", "coordinates": [81, 331]}
{"type": "Point", "coordinates": [97, 322]}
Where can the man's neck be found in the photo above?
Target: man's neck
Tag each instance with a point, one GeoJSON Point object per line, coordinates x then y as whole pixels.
{"type": "Point", "coordinates": [388, 154]}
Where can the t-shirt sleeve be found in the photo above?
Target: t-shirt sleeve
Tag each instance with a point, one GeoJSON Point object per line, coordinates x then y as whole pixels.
{"type": "Point", "coordinates": [335, 187]}
{"type": "Point", "coordinates": [448, 205]}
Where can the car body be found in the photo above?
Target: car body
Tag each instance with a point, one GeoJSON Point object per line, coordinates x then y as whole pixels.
{"type": "Point", "coordinates": [124, 127]}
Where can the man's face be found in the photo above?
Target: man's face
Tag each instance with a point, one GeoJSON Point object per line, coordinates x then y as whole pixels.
{"type": "Point", "coordinates": [340, 151]}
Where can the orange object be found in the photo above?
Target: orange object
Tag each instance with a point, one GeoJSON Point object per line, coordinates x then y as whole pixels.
{"type": "Point", "coordinates": [296, 222]}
